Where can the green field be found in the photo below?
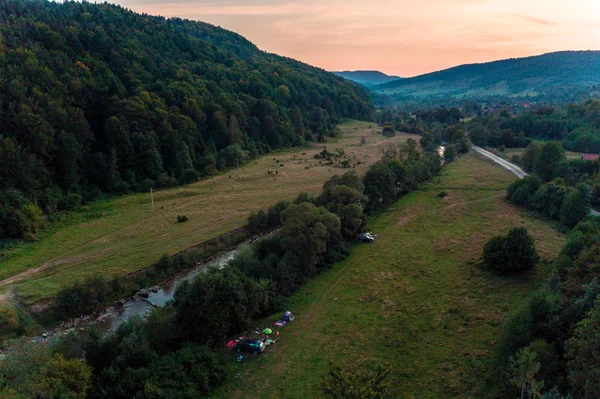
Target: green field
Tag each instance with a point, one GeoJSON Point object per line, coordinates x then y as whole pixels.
{"type": "Point", "coordinates": [415, 298]}
{"type": "Point", "coordinates": [122, 235]}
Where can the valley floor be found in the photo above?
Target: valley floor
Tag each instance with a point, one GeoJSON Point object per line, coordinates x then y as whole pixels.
{"type": "Point", "coordinates": [415, 298]}
{"type": "Point", "coordinates": [122, 235]}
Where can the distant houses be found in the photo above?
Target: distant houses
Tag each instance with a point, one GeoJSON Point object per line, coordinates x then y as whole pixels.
{"type": "Point", "coordinates": [590, 157]}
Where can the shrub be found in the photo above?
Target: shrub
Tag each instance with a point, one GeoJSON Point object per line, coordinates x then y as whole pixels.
{"type": "Point", "coordinates": [122, 187]}
{"type": "Point", "coordinates": [388, 131]}
{"type": "Point", "coordinates": [189, 176]}
{"type": "Point", "coordinates": [357, 383]}
{"type": "Point", "coordinates": [512, 253]}
{"type": "Point", "coordinates": [257, 221]}
{"type": "Point", "coordinates": [70, 202]}
{"type": "Point", "coordinates": [182, 218]}
{"type": "Point", "coordinates": [442, 194]}
{"type": "Point", "coordinates": [166, 181]}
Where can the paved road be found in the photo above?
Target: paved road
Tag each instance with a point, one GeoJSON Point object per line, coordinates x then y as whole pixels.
{"type": "Point", "coordinates": [512, 167]}
{"type": "Point", "coordinates": [505, 164]}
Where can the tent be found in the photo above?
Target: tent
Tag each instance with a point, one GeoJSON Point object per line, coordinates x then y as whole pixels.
{"type": "Point", "coordinates": [288, 316]}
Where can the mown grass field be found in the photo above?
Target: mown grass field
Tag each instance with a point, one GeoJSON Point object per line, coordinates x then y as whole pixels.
{"type": "Point", "coordinates": [415, 299]}
{"type": "Point", "coordinates": [122, 235]}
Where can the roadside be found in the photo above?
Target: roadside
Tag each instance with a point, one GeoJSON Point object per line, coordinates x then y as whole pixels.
{"type": "Point", "coordinates": [513, 168]}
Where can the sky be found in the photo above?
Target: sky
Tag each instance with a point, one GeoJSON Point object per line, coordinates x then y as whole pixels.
{"type": "Point", "coordinates": [400, 37]}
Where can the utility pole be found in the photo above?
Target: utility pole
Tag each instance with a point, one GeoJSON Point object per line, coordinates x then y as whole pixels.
{"type": "Point", "coordinates": [152, 199]}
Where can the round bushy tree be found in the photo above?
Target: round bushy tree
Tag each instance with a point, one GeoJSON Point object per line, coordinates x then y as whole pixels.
{"type": "Point", "coordinates": [450, 153]}
{"type": "Point", "coordinates": [511, 253]}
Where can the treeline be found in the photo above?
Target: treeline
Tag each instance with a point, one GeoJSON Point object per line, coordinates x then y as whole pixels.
{"type": "Point", "coordinates": [172, 354]}
{"type": "Point", "coordinates": [552, 343]}
{"type": "Point", "coordinates": [576, 126]}
{"type": "Point", "coordinates": [558, 188]}
{"type": "Point", "coordinates": [95, 98]}
{"type": "Point", "coordinates": [437, 126]}
{"type": "Point", "coordinates": [553, 340]}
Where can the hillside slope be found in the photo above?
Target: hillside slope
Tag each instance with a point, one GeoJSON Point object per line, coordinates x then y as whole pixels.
{"type": "Point", "coordinates": [367, 78]}
{"type": "Point", "coordinates": [95, 98]}
{"type": "Point", "coordinates": [546, 75]}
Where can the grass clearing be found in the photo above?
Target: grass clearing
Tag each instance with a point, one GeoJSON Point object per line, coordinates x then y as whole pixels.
{"type": "Point", "coordinates": [122, 235]}
{"type": "Point", "coordinates": [415, 298]}
{"type": "Point", "coordinates": [510, 152]}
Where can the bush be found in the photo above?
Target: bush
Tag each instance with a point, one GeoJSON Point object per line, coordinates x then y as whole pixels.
{"type": "Point", "coordinates": [189, 176]}
{"type": "Point", "coordinates": [166, 181]}
{"type": "Point", "coordinates": [80, 298]}
{"type": "Point", "coordinates": [357, 383]}
{"type": "Point", "coordinates": [182, 218]}
{"type": "Point", "coordinates": [521, 192]}
{"type": "Point", "coordinates": [257, 221]}
{"type": "Point", "coordinates": [442, 194]}
{"type": "Point", "coordinates": [70, 202]}
{"type": "Point", "coordinates": [388, 131]}
{"type": "Point", "coordinates": [122, 187]}
{"type": "Point", "coordinates": [512, 253]}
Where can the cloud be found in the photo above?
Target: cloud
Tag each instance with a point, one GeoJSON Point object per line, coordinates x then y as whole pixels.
{"type": "Point", "coordinates": [537, 20]}
{"type": "Point", "coordinates": [403, 37]}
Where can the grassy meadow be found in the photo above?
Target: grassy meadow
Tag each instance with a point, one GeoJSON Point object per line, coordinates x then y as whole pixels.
{"type": "Point", "coordinates": [122, 235]}
{"type": "Point", "coordinates": [415, 298]}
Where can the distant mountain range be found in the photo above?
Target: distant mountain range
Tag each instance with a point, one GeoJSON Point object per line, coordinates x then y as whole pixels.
{"type": "Point", "coordinates": [553, 74]}
{"type": "Point", "coordinates": [367, 78]}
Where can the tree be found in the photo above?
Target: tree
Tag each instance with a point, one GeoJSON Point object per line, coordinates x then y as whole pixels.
{"type": "Point", "coordinates": [523, 368]}
{"type": "Point", "coordinates": [547, 160]}
{"type": "Point", "coordinates": [549, 199]}
{"type": "Point", "coordinates": [217, 304]}
{"type": "Point", "coordinates": [306, 231]}
{"type": "Point", "coordinates": [66, 379]}
{"type": "Point", "coordinates": [357, 384]}
{"type": "Point", "coordinates": [450, 153]}
{"type": "Point", "coordinates": [511, 253]}
{"type": "Point", "coordinates": [30, 371]}
{"type": "Point", "coordinates": [583, 352]}
{"type": "Point", "coordinates": [428, 142]}
{"type": "Point", "coordinates": [575, 207]}
{"type": "Point", "coordinates": [380, 184]}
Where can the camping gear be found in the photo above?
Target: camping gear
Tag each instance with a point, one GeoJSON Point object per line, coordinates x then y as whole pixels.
{"type": "Point", "coordinates": [280, 323]}
{"type": "Point", "coordinates": [267, 331]}
{"type": "Point", "coordinates": [240, 358]}
{"type": "Point", "coordinates": [288, 316]}
{"type": "Point", "coordinates": [231, 344]}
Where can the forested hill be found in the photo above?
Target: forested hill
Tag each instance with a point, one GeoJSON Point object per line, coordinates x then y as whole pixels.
{"type": "Point", "coordinates": [94, 98]}
{"type": "Point", "coordinates": [552, 75]}
{"type": "Point", "coordinates": [367, 78]}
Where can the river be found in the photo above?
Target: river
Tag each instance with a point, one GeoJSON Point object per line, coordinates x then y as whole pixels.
{"type": "Point", "coordinates": [142, 303]}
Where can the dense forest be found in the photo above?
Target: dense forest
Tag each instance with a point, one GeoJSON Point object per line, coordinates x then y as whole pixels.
{"type": "Point", "coordinates": [95, 98]}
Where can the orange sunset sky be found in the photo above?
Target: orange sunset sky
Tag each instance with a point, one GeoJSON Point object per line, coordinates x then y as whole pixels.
{"type": "Point", "coordinates": [398, 37]}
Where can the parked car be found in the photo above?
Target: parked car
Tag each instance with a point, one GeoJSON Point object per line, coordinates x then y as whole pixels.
{"type": "Point", "coordinates": [365, 237]}
{"type": "Point", "coordinates": [255, 346]}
